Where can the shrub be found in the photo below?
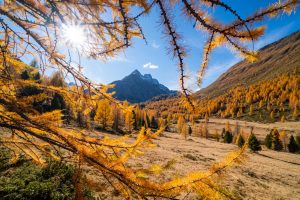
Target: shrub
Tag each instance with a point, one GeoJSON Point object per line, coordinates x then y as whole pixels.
{"type": "Point", "coordinates": [292, 146]}
{"type": "Point", "coordinates": [253, 143]}
{"type": "Point", "coordinates": [30, 182]}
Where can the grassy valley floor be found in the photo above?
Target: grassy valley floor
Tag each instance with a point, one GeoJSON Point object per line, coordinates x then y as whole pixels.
{"type": "Point", "coordinates": [264, 175]}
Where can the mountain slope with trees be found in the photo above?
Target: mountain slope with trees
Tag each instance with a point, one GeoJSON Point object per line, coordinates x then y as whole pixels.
{"type": "Point", "coordinates": [266, 90]}
{"type": "Point", "coordinates": [275, 59]}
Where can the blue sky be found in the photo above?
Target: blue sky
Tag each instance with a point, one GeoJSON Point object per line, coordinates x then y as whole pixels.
{"type": "Point", "coordinates": [153, 58]}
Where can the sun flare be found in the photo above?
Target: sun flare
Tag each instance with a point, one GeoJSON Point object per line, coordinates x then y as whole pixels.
{"type": "Point", "coordinates": [73, 35]}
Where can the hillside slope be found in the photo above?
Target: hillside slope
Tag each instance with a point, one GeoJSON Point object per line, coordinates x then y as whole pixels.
{"type": "Point", "coordinates": [277, 58]}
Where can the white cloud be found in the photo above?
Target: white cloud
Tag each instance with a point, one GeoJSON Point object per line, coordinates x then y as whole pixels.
{"type": "Point", "coordinates": [150, 66]}
{"type": "Point", "coordinates": [155, 45]}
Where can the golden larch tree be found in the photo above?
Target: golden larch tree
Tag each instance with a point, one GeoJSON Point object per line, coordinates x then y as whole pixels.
{"type": "Point", "coordinates": [104, 114]}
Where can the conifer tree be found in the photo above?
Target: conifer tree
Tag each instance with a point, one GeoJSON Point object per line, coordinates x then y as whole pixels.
{"type": "Point", "coordinates": [25, 75]}
{"type": "Point", "coordinates": [147, 120]}
{"type": "Point", "coordinates": [104, 115]}
{"type": "Point", "coordinates": [153, 123]}
{"type": "Point", "coordinates": [190, 131]}
{"type": "Point", "coordinates": [272, 115]}
{"type": "Point", "coordinates": [217, 136]}
{"type": "Point", "coordinates": [228, 137]}
{"type": "Point", "coordinates": [251, 110]}
{"type": "Point", "coordinates": [297, 138]}
{"type": "Point", "coordinates": [268, 140]}
{"type": "Point", "coordinates": [283, 138]}
{"type": "Point", "coordinates": [282, 118]}
{"type": "Point", "coordinates": [180, 124]}
{"type": "Point", "coordinates": [184, 131]}
{"type": "Point", "coordinates": [116, 118]}
{"type": "Point", "coordinates": [129, 121]}
{"type": "Point", "coordinates": [292, 146]}
{"type": "Point", "coordinates": [295, 113]}
{"type": "Point", "coordinates": [276, 143]}
{"type": "Point", "coordinates": [135, 123]}
{"type": "Point", "coordinates": [240, 141]}
{"type": "Point", "coordinates": [261, 104]}
{"type": "Point", "coordinates": [253, 143]}
{"type": "Point", "coordinates": [162, 122]}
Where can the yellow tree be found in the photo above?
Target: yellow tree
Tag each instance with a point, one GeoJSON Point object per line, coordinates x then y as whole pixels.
{"type": "Point", "coordinates": [251, 110]}
{"type": "Point", "coordinates": [180, 124]}
{"type": "Point", "coordinates": [295, 112]}
{"type": "Point", "coordinates": [104, 115]}
{"type": "Point", "coordinates": [284, 138]}
{"type": "Point", "coordinates": [129, 120]}
{"type": "Point", "coordinates": [184, 131]}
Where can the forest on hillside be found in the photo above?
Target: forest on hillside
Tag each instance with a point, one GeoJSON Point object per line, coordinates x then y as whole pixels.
{"type": "Point", "coordinates": [266, 101]}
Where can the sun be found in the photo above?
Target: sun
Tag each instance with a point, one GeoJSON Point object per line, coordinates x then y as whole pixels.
{"type": "Point", "coordinates": [74, 35]}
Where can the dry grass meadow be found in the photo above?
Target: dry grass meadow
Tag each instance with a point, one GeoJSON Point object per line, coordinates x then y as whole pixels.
{"type": "Point", "coordinates": [264, 175]}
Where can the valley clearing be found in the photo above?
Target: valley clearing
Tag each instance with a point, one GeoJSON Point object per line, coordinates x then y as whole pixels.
{"type": "Point", "coordinates": [264, 175]}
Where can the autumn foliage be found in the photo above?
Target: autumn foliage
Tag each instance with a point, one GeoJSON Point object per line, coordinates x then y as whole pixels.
{"type": "Point", "coordinates": [35, 111]}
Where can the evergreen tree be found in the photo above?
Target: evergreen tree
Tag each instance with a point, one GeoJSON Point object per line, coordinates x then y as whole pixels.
{"type": "Point", "coordinates": [180, 124]}
{"type": "Point", "coordinates": [57, 102]}
{"type": "Point", "coordinates": [253, 143]}
{"type": "Point", "coordinates": [25, 75]}
{"type": "Point", "coordinates": [135, 123]}
{"type": "Point", "coordinates": [228, 137]}
{"type": "Point", "coordinates": [37, 76]}
{"type": "Point", "coordinates": [153, 123]}
{"type": "Point", "coordinates": [276, 143]}
{"type": "Point", "coordinates": [190, 131]}
{"type": "Point", "coordinates": [141, 122]}
{"type": "Point", "coordinates": [129, 121]}
{"type": "Point", "coordinates": [292, 146]}
{"type": "Point", "coordinates": [147, 121]}
{"type": "Point", "coordinates": [268, 140]}
{"type": "Point", "coordinates": [240, 141]}
{"type": "Point", "coordinates": [284, 139]}
{"type": "Point", "coordinates": [184, 131]}
{"type": "Point", "coordinates": [298, 141]}
{"type": "Point", "coordinates": [116, 118]}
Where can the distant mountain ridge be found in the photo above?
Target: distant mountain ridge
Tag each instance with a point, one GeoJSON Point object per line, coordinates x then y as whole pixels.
{"type": "Point", "coordinates": [279, 57]}
{"type": "Point", "coordinates": [136, 88]}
